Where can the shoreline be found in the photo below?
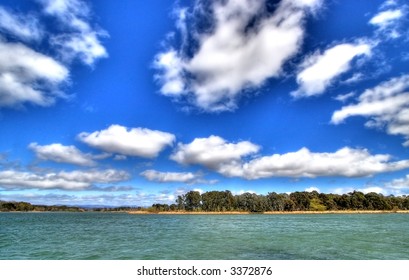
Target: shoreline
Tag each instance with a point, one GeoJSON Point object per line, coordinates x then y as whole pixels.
{"type": "Point", "coordinates": [270, 212]}
{"type": "Point", "coordinates": [144, 212]}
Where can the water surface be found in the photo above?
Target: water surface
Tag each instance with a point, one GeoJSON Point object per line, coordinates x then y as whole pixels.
{"type": "Point", "coordinates": [268, 237]}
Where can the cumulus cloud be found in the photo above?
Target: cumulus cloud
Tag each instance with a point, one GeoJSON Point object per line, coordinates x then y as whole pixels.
{"type": "Point", "coordinates": [80, 40]}
{"type": "Point", "coordinates": [64, 154]}
{"type": "Point", "coordinates": [319, 70]}
{"type": "Point", "coordinates": [346, 162]}
{"type": "Point", "coordinates": [24, 27]}
{"type": "Point", "coordinates": [27, 76]}
{"type": "Point", "coordinates": [141, 142]}
{"type": "Point", "coordinates": [213, 152]}
{"type": "Point", "coordinates": [247, 42]}
{"type": "Point", "coordinates": [229, 160]}
{"type": "Point", "coordinates": [167, 177]}
{"type": "Point", "coordinates": [73, 180]}
{"type": "Point", "coordinates": [386, 105]}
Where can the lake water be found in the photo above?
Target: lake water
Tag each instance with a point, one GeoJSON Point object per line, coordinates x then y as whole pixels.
{"type": "Point", "coordinates": [122, 236]}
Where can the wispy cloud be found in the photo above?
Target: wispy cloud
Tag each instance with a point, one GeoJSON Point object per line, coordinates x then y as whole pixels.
{"type": "Point", "coordinates": [388, 20]}
{"type": "Point", "coordinates": [235, 53]}
{"type": "Point", "coordinates": [168, 177]}
{"type": "Point", "coordinates": [28, 74]}
{"type": "Point", "coordinates": [386, 105]}
{"type": "Point", "coordinates": [319, 70]}
{"type": "Point", "coordinates": [399, 186]}
{"type": "Point", "coordinates": [78, 39]}
{"type": "Point", "coordinates": [188, 178]}
{"type": "Point", "coordinates": [344, 97]}
{"type": "Point", "coordinates": [24, 27]}
{"type": "Point", "coordinates": [73, 180]}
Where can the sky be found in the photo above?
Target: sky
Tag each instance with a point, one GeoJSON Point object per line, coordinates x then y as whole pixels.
{"type": "Point", "coordinates": [132, 103]}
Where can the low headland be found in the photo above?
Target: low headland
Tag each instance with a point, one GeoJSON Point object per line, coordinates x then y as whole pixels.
{"type": "Point", "coordinates": [225, 203]}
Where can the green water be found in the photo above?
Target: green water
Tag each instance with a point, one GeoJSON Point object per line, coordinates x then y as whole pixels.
{"type": "Point", "coordinates": [267, 237]}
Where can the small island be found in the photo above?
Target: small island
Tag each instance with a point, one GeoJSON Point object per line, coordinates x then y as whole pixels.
{"type": "Point", "coordinates": [225, 202]}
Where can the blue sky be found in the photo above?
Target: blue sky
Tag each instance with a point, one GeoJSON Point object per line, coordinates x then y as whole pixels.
{"type": "Point", "coordinates": [133, 103]}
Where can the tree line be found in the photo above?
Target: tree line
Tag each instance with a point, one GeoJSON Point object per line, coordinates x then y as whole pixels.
{"type": "Point", "coordinates": [12, 206]}
{"type": "Point", "coordinates": [21, 206]}
{"type": "Point", "coordinates": [220, 201]}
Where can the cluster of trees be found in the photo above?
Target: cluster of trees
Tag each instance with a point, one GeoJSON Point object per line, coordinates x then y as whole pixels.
{"type": "Point", "coordinates": [115, 209]}
{"type": "Point", "coordinates": [11, 206]}
{"type": "Point", "coordinates": [297, 201]}
{"type": "Point", "coordinates": [221, 201]}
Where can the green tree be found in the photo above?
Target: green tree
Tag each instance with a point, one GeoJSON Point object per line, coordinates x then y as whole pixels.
{"type": "Point", "coordinates": [357, 200]}
{"type": "Point", "coordinates": [301, 200]}
{"type": "Point", "coordinates": [277, 201]}
{"type": "Point", "coordinates": [193, 200]}
{"type": "Point", "coordinates": [180, 201]}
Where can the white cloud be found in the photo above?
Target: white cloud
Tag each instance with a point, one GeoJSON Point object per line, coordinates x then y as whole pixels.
{"type": "Point", "coordinates": [30, 77]}
{"type": "Point", "coordinates": [120, 157]}
{"type": "Point", "coordinates": [86, 199]}
{"type": "Point", "coordinates": [27, 76]}
{"type": "Point", "coordinates": [346, 162]}
{"type": "Point", "coordinates": [357, 77]}
{"type": "Point", "coordinates": [344, 97]}
{"type": "Point", "coordinates": [385, 18]}
{"type": "Point", "coordinates": [319, 70]}
{"type": "Point", "coordinates": [74, 180]}
{"type": "Point", "coordinates": [312, 189]}
{"type": "Point", "coordinates": [240, 192]}
{"type": "Point", "coordinates": [81, 41]}
{"type": "Point", "coordinates": [386, 105]}
{"type": "Point", "coordinates": [212, 152]}
{"type": "Point", "coordinates": [172, 79]}
{"type": "Point", "coordinates": [167, 177]}
{"type": "Point", "coordinates": [228, 159]}
{"type": "Point", "coordinates": [388, 21]}
{"type": "Point", "coordinates": [25, 27]}
{"type": "Point", "coordinates": [95, 176]}
{"type": "Point", "coordinates": [237, 54]}
{"type": "Point", "coordinates": [364, 190]}
{"type": "Point", "coordinates": [399, 186]}
{"type": "Point", "coordinates": [141, 142]}
{"type": "Point", "coordinates": [60, 153]}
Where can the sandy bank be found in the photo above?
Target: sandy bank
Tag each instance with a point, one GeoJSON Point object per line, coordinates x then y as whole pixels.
{"type": "Point", "coordinates": [187, 213]}
{"type": "Point", "coordinates": [268, 213]}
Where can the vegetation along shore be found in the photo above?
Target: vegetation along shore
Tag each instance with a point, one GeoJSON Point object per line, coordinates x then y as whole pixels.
{"type": "Point", "coordinates": [224, 202]}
